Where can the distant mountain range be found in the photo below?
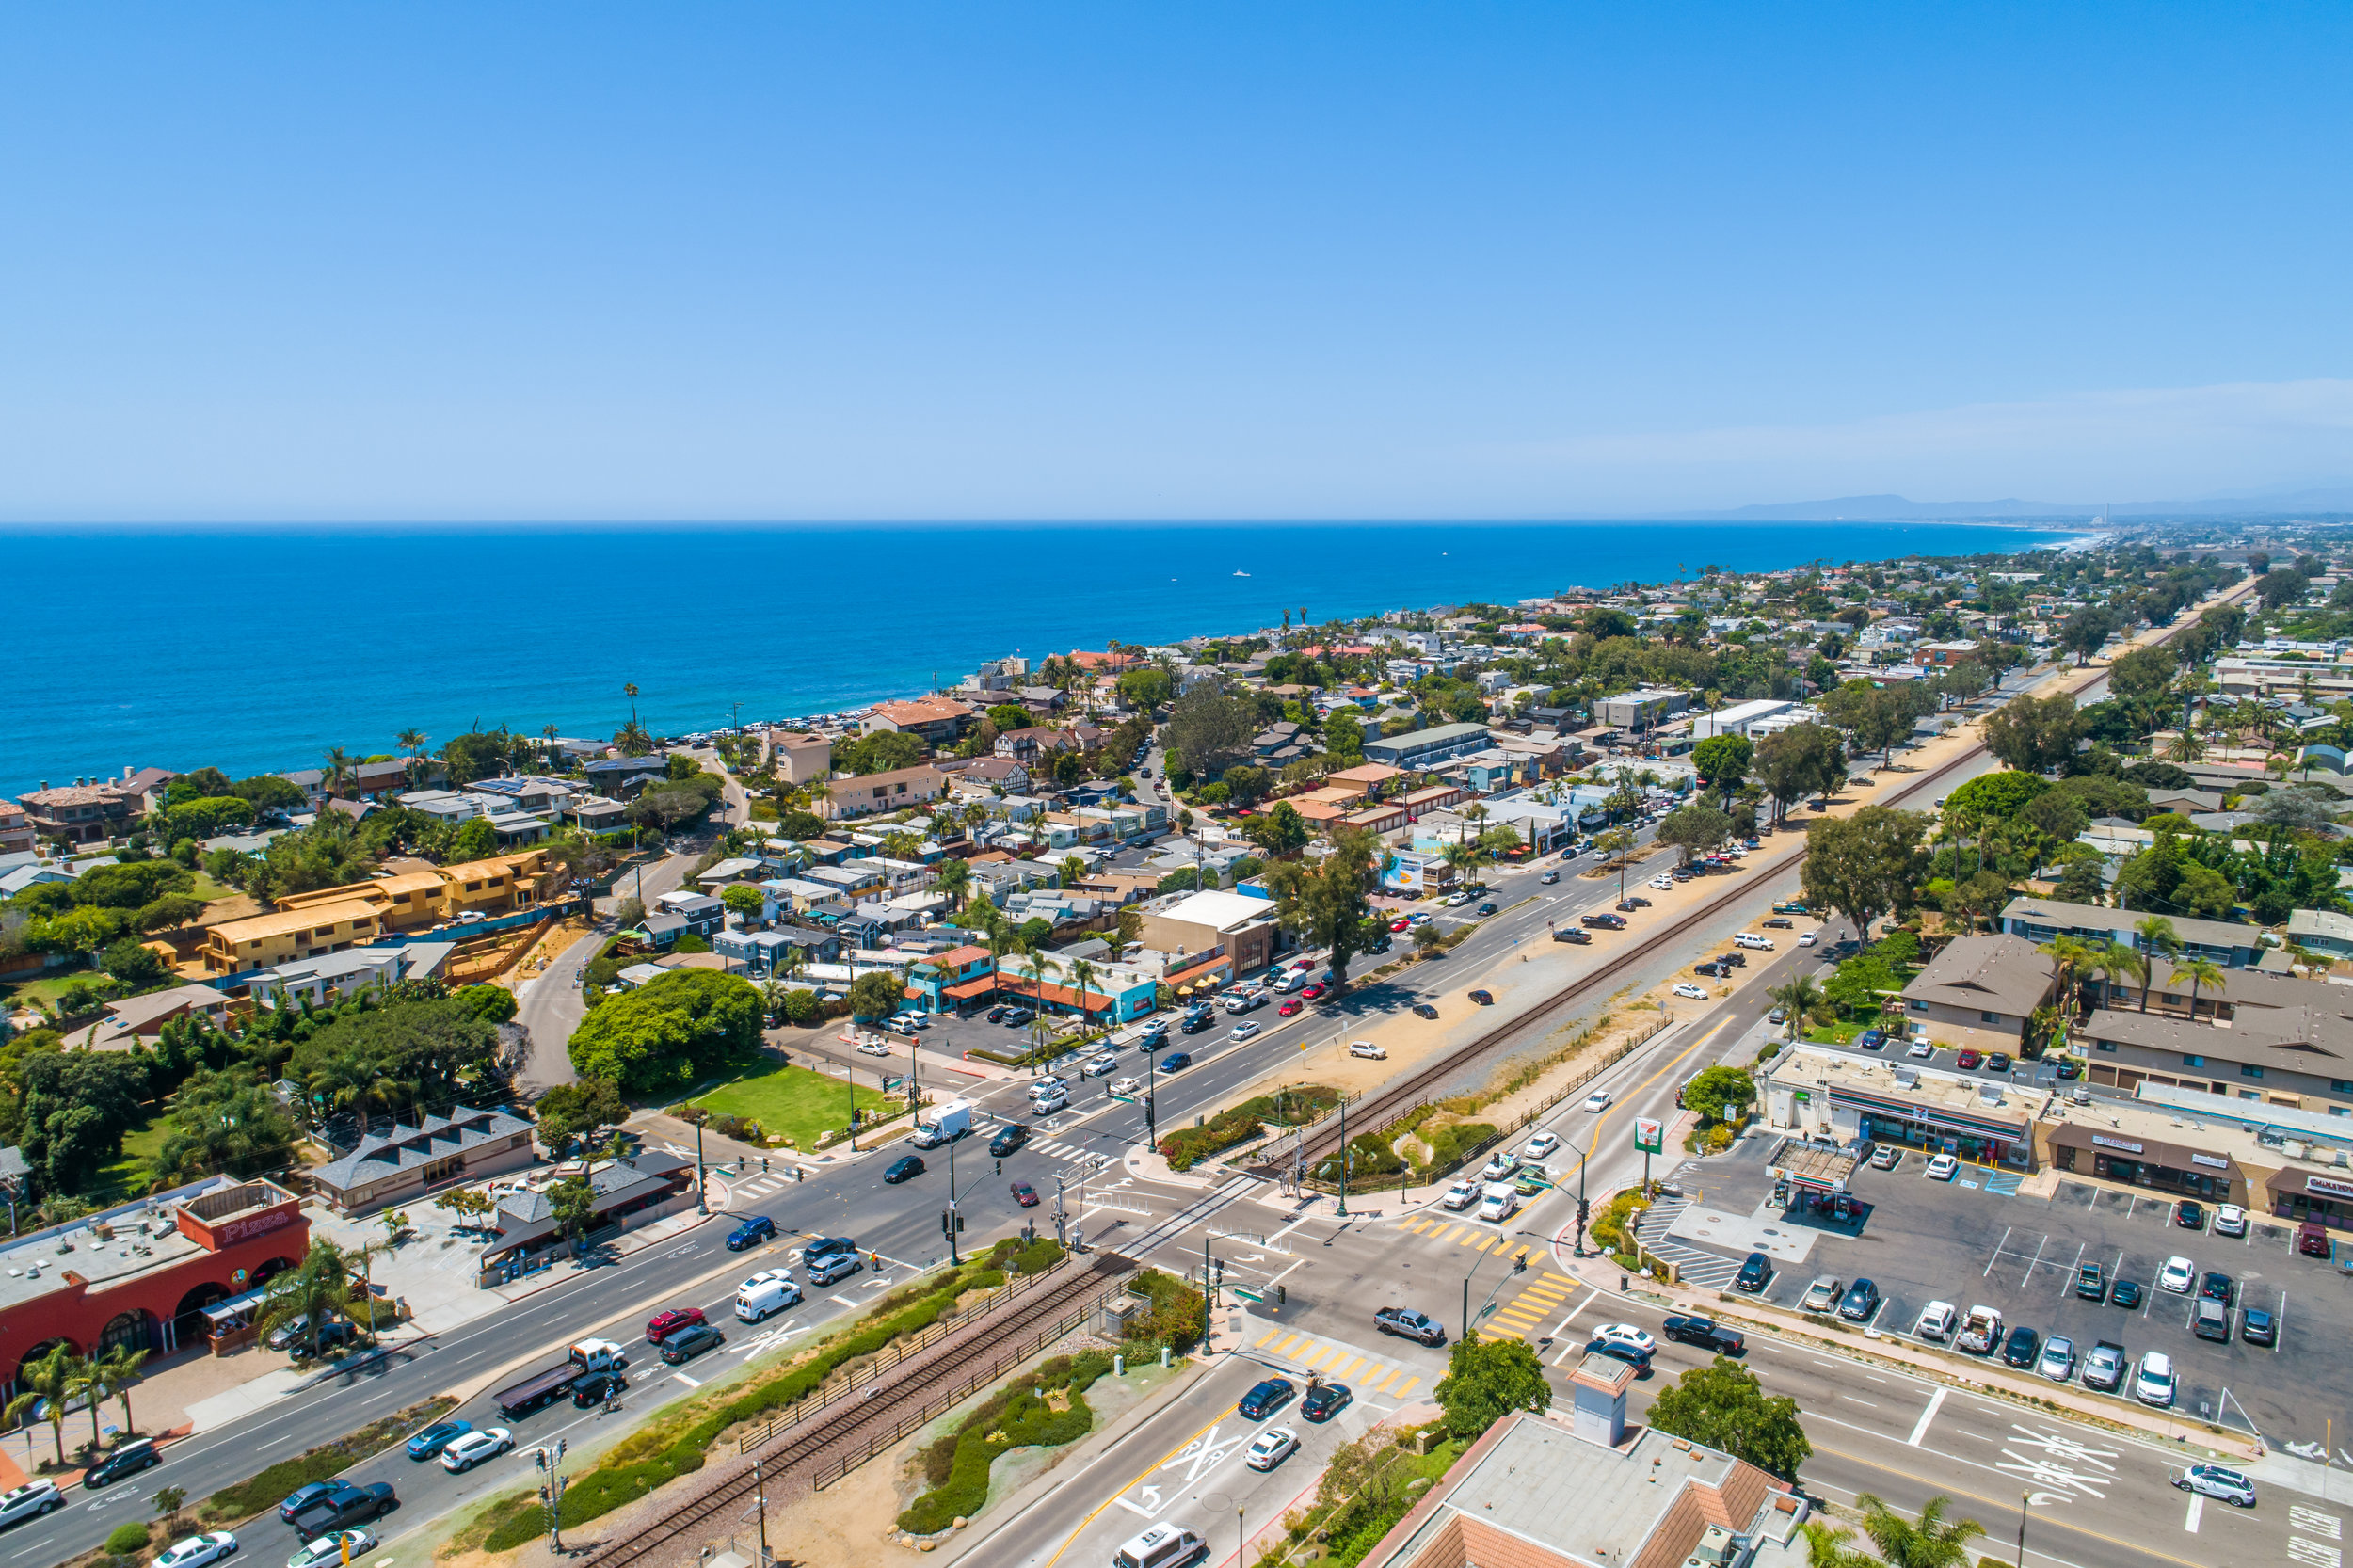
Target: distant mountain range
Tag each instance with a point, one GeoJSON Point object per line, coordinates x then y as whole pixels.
{"type": "Point", "coordinates": [1896, 508]}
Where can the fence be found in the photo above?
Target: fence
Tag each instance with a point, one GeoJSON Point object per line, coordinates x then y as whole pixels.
{"type": "Point", "coordinates": [961, 1389]}
{"type": "Point", "coordinates": [816, 1400]}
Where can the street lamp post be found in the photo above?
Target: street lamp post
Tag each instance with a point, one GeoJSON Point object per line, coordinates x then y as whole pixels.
{"type": "Point", "coordinates": [953, 1218]}
{"type": "Point", "coordinates": [1343, 1154]}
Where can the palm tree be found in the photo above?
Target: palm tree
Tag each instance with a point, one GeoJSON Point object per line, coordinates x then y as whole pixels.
{"type": "Point", "coordinates": [2158, 939]}
{"type": "Point", "coordinates": [2070, 954]}
{"type": "Point", "coordinates": [84, 1382]}
{"type": "Point", "coordinates": [630, 689]}
{"type": "Point", "coordinates": [2114, 962]}
{"type": "Point", "coordinates": [1799, 998]}
{"type": "Point", "coordinates": [45, 1381]}
{"type": "Point", "coordinates": [2201, 971]}
{"type": "Point", "coordinates": [338, 769]}
{"type": "Point", "coordinates": [1083, 976]}
{"type": "Point", "coordinates": [549, 734]}
{"type": "Point", "coordinates": [309, 1294]}
{"type": "Point", "coordinates": [1037, 967]}
{"type": "Point", "coordinates": [118, 1370]}
{"type": "Point", "coordinates": [1931, 1543]}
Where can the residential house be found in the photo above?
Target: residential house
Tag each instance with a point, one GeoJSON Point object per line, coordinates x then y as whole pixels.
{"type": "Point", "coordinates": [1944, 655]}
{"type": "Point", "coordinates": [1981, 992]}
{"type": "Point", "coordinates": [83, 812]}
{"type": "Point", "coordinates": [597, 814]}
{"type": "Point", "coordinates": [897, 790]}
{"type": "Point", "coordinates": [443, 806]}
{"type": "Point", "coordinates": [16, 829]}
{"type": "Point", "coordinates": [799, 755]}
{"type": "Point", "coordinates": [1028, 745]}
{"type": "Point", "coordinates": [705, 915]}
{"type": "Point", "coordinates": [2322, 931]}
{"type": "Point", "coordinates": [989, 775]}
{"type": "Point", "coordinates": [937, 720]}
{"type": "Point", "coordinates": [331, 977]}
{"type": "Point", "coordinates": [1279, 745]}
{"type": "Point", "coordinates": [1366, 778]}
{"type": "Point", "coordinates": [624, 776]}
{"type": "Point", "coordinates": [328, 919]}
{"type": "Point", "coordinates": [2274, 1038]}
{"type": "Point", "coordinates": [2039, 920]}
{"type": "Point", "coordinates": [137, 1020]}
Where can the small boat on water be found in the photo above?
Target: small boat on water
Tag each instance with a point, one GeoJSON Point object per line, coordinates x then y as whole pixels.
{"type": "Point", "coordinates": [1241, 574]}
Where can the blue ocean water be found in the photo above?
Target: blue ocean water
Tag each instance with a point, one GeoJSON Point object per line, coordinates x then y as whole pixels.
{"type": "Point", "coordinates": [258, 648]}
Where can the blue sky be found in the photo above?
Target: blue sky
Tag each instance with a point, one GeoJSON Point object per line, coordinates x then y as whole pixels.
{"type": "Point", "coordinates": [775, 261]}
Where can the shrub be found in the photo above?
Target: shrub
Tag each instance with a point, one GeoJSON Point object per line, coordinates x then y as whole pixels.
{"type": "Point", "coordinates": [320, 1464]}
{"type": "Point", "coordinates": [1188, 1147]}
{"type": "Point", "coordinates": [127, 1539]}
{"type": "Point", "coordinates": [1020, 1416]}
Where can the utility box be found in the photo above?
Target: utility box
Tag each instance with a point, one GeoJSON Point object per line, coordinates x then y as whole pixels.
{"type": "Point", "coordinates": [1117, 1313]}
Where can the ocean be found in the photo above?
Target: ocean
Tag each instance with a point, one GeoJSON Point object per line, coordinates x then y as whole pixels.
{"type": "Point", "coordinates": [253, 649]}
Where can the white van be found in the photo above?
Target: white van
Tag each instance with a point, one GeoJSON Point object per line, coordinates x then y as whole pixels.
{"type": "Point", "coordinates": [1499, 1203]}
{"type": "Point", "coordinates": [764, 1295]}
{"type": "Point", "coordinates": [1161, 1546]}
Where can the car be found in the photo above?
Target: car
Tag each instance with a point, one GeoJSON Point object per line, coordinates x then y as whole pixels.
{"type": "Point", "coordinates": [310, 1494]}
{"type": "Point", "coordinates": [997, 1015]}
{"type": "Point", "coordinates": [1244, 1031]}
{"type": "Point", "coordinates": [1886, 1157]}
{"type": "Point", "coordinates": [2104, 1368]}
{"type": "Point", "coordinates": [1806, 938]}
{"type": "Point", "coordinates": [1368, 1050]}
{"type": "Point", "coordinates": [1872, 1039]}
{"type": "Point", "coordinates": [123, 1459]}
{"type": "Point", "coordinates": [1778, 922]}
{"type": "Point", "coordinates": [1597, 1101]}
{"type": "Point", "coordinates": [1997, 1063]}
{"type": "Point", "coordinates": [1406, 1323]}
{"type": "Point", "coordinates": [658, 1328]}
{"type": "Point", "coordinates": [2126, 1294]}
{"type": "Point", "coordinates": [1603, 921]}
{"type": "Point", "coordinates": [1861, 1301]}
{"type": "Point", "coordinates": [1633, 1355]}
{"type": "Point", "coordinates": [1176, 1062]}
{"type": "Point", "coordinates": [1629, 903]}
{"type": "Point", "coordinates": [1714, 969]}
{"type": "Point", "coordinates": [2218, 1287]}
{"type": "Point", "coordinates": [30, 1500]}
{"type": "Point", "coordinates": [1695, 993]}
{"type": "Point", "coordinates": [1324, 1400]}
{"type": "Point", "coordinates": [1486, 909]}
{"type": "Point", "coordinates": [1754, 1270]}
{"type": "Point", "coordinates": [1732, 960]}
{"type": "Point", "coordinates": [1302, 964]}
{"type": "Point", "coordinates": [1265, 1398]}
{"type": "Point", "coordinates": [1009, 1140]}
{"type": "Point", "coordinates": [905, 1168]}
{"type": "Point", "coordinates": [433, 1439]}
{"type": "Point", "coordinates": [1778, 1015]}
{"type": "Point", "coordinates": [1101, 1063]}
{"type": "Point", "coordinates": [2311, 1240]}
{"type": "Point", "coordinates": [1462, 1194]}
{"type": "Point", "coordinates": [882, 1047]}
{"type": "Point", "coordinates": [1455, 901]}
{"type": "Point", "coordinates": [333, 1548]}
{"type": "Point", "coordinates": [1625, 1335]}
{"type": "Point", "coordinates": [1499, 1166]}
{"type": "Point", "coordinates": [1196, 1022]}
{"type": "Point", "coordinates": [1921, 1050]}
{"type": "Point", "coordinates": [1018, 1018]}
{"type": "Point", "coordinates": [196, 1551]}
{"type": "Point", "coordinates": [1419, 917]}
{"type": "Point", "coordinates": [2021, 1348]}
{"type": "Point", "coordinates": [1400, 925]}
{"type": "Point", "coordinates": [1967, 1060]}
{"type": "Point", "coordinates": [2258, 1327]}
{"type": "Point", "coordinates": [2153, 1384]}
{"type": "Point", "coordinates": [2210, 1321]}
{"type": "Point", "coordinates": [2178, 1274]}
{"type": "Point", "coordinates": [1943, 1167]}
{"type": "Point", "coordinates": [1423, 1010]}
{"type": "Point", "coordinates": [2189, 1215]}
{"type": "Point", "coordinates": [2069, 1068]}
{"type": "Point", "coordinates": [1540, 1147]}
{"type": "Point", "coordinates": [1314, 991]}
{"type": "Point", "coordinates": [1703, 1333]}
{"type": "Point", "coordinates": [1572, 935]}
{"type": "Point", "coordinates": [1271, 1447]}
{"type": "Point", "coordinates": [2058, 1358]}
{"type": "Point", "coordinates": [1822, 1295]}
{"type": "Point", "coordinates": [1549, 878]}
{"type": "Point", "coordinates": [475, 1447]}
{"type": "Point", "coordinates": [683, 1346]}
{"type": "Point", "coordinates": [1937, 1322]}
{"type": "Point", "coordinates": [2213, 1481]}
{"type": "Point", "coordinates": [2091, 1283]}
{"type": "Point", "coordinates": [2230, 1220]}
{"type": "Point", "coordinates": [751, 1233]}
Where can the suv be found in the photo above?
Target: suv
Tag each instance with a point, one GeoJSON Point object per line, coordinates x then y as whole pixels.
{"type": "Point", "coordinates": [675, 1320]}
{"type": "Point", "coordinates": [33, 1498]}
{"type": "Point", "coordinates": [751, 1233]}
{"type": "Point", "coordinates": [132, 1456]}
{"type": "Point", "coordinates": [1755, 1271]}
{"type": "Point", "coordinates": [1406, 1323]}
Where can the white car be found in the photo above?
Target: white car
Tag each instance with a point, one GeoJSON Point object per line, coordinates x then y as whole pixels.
{"type": "Point", "coordinates": [2177, 1276]}
{"type": "Point", "coordinates": [1107, 1063]}
{"type": "Point", "coordinates": [875, 1048]}
{"type": "Point", "coordinates": [1937, 1322]}
{"type": "Point", "coordinates": [2153, 1384]}
{"type": "Point", "coordinates": [475, 1447]}
{"type": "Point", "coordinates": [25, 1501]}
{"type": "Point", "coordinates": [1273, 1446]}
{"type": "Point", "coordinates": [1662, 882]}
{"type": "Point", "coordinates": [1368, 1050]}
{"type": "Point", "coordinates": [2213, 1481]}
{"type": "Point", "coordinates": [1685, 988]}
{"type": "Point", "coordinates": [1751, 940]}
{"type": "Point", "coordinates": [330, 1548]}
{"type": "Point", "coordinates": [1541, 1146]}
{"type": "Point", "coordinates": [1598, 1100]}
{"type": "Point", "coordinates": [1942, 1168]}
{"type": "Point", "coordinates": [1500, 1167]}
{"type": "Point", "coordinates": [2230, 1220]}
{"type": "Point", "coordinates": [1126, 1086]}
{"type": "Point", "coordinates": [196, 1551]}
{"type": "Point", "coordinates": [1921, 1050]}
{"type": "Point", "coordinates": [1244, 1031]}
{"type": "Point", "coordinates": [1807, 940]}
{"type": "Point", "coordinates": [1625, 1337]}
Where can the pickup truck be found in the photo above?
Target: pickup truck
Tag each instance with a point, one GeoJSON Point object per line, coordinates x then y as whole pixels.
{"type": "Point", "coordinates": [340, 1506]}
{"type": "Point", "coordinates": [590, 1358]}
{"type": "Point", "coordinates": [1980, 1332]}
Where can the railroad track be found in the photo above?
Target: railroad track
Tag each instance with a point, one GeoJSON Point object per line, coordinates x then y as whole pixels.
{"type": "Point", "coordinates": [1385, 1105]}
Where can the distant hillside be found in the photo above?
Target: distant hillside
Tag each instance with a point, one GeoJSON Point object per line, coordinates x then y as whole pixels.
{"type": "Point", "coordinates": [2311, 502]}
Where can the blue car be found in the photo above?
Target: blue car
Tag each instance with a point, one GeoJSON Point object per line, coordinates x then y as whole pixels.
{"type": "Point", "coordinates": [433, 1439]}
{"type": "Point", "coordinates": [751, 1233]}
{"type": "Point", "coordinates": [1871, 1039]}
{"type": "Point", "coordinates": [1176, 1062]}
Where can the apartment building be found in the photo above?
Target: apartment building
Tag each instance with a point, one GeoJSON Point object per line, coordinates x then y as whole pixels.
{"type": "Point", "coordinates": [328, 919]}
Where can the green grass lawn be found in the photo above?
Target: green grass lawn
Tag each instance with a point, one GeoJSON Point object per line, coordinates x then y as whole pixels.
{"type": "Point", "coordinates": [208, 890]}
{"type": "Point", "coordinates": [792, 1102]}
{"type": "Point", "coordinates": [130, 1175]}
{"type": "Point", "coordinates": [45, 991]}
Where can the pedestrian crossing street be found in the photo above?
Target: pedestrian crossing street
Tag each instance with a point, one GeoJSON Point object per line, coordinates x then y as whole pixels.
{"type": "Point", "coordinates": [1338, 1363]}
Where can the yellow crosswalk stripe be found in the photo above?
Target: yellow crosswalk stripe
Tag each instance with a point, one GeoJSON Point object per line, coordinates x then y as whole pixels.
{"type": "Point", "coordinates": [1516, 1316]}
{"type": "Point", "coordinates": [1289, 1345]}
{"type": "Point", "coordinates": [1443, 1232]}
{"type": "Point", "coordinates": [1324, 1353]}
{"type": "Point", "coordinates": [1404, 1387]}
{"type": "Point", "coordinates": [1480, 1243]}
{"type": "Point", "coordinates": [1272, 1335]}
{"type": "Point", "coordinates": [1341, 1369]}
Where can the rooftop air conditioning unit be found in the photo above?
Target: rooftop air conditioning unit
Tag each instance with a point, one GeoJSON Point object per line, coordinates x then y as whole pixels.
{"type": "Point", "coordinates": [2295, 1148]}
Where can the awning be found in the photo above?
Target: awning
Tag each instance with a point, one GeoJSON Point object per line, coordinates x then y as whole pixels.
{"type": "Point", "coordinates": [235, 1306]}
{"type": "Point", "coordinates": [2337, 1189]}
{"type": "Point", "coordinates": [970, 988]}
{"type": "Point", "coordinates": [2130, 1145]}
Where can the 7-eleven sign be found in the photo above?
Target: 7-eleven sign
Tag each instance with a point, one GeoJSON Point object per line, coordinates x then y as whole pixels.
{"type": "Point", "coordinates": [1648, 1134]}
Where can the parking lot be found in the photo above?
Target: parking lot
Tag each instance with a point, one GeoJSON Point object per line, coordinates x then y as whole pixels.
{"type": "Point", "coordinates": [1923, 1240]}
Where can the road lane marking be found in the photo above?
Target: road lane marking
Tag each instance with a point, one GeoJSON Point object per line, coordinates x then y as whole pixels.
{"type": "Point", "coordinates": [691, 1383]}
{"type": "Point", "coordinates": [2196, 1508]}
{"type": "Point", "coordinates": [1851, 1400]}
{"type": "Point", "coordinates": [1936, 1403]}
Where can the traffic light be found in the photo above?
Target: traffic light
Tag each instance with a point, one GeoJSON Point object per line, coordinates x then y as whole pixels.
{"type": "Point", "coordinates": [1584, 1212]}
{"type": "Point", "coordinates": [1519, 1264]}
{"type": "Point", "coordinates": [1001, 1167]}
{"type": "Point", "coordinates": [1281, 1296]}
{"type": "Point", "coordinates": [947, 1221]}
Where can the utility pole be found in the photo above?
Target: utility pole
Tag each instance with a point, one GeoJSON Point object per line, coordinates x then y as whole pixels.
{"type": "Point", "coordinates": [551, 1462]}
{"type": "Point", "coordinates": [955, 1221]}
{"type": "Point", "coordinates": [702, 1200]}
{"type": "Point", "coordinates": [759, 1491]}
{"type": "Point", "coordinates": [1343, 1155]}
{"type": "Point", "coordinates": [849, 1077]}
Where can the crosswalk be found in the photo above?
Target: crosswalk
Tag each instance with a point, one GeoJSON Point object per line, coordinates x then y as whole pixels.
{"type": "Point", "coordinates": [1477, 1238]}
{"type": "Point", "coordinates": [1338, 1363]}
{"type": "Point", "coordinates": [1529, 1314]}
{"type": "Point", "coordinates": [762, 1186]}
{"type": "Point", "coordinates": [1709, 1271]}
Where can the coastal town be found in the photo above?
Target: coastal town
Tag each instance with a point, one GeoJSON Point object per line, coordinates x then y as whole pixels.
{"type": "Point", "coordinates": [1674, 948]}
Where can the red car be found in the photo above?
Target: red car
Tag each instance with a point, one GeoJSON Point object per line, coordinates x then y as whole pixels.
{"type": "Point", "coordinates": [1967, 1059]}
{"type": "Point", "coordinates": [1400, 925]}
{"type": "Point", "coordinates": [1290, 1009]}
{"type": "Point", "coordinates": [1025, 1195]}
{"type": "Point", "coordinates": [1312, 992]}
{"type": "Point", "coordinates": [663, 1324]}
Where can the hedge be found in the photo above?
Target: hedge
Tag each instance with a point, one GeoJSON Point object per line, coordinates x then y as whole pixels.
{"type": "Point", "coordinates": [269, 1488]}
{"type": "Point", "coordinates": [1018, 1416]}
{"type": "Point", "coordinates": [657, 1454]}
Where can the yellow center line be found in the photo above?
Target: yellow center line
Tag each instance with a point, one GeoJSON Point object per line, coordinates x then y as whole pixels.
{"type": "Point", "coordinates": [1595, 1142]}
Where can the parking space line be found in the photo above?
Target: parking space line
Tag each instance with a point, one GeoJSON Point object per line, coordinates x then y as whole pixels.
{"type": "Point", "coordinates": [2068, 1276]}
{"type": "Point", "coordinates": [1998, 1251]}
{"type": "Point", "coordinates": [2027, 1279]}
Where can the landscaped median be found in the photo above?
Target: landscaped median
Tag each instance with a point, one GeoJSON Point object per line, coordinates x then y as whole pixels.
{"type": "Point", "coordinates": [1296, 1105]}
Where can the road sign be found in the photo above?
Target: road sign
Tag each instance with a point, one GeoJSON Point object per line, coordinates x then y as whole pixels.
{"type": "Point", "coordinates": [1648, 1134]}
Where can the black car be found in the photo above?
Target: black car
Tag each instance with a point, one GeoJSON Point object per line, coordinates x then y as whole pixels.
{"type": "Point", "coordinates": [1196, 1022]}
{"type": "Point", "coordinates": [1176, 1062]}
{"type": "Point", "coordinates": [1484, 998]}
{"type": "Point", "coordinates": [997, 1014]}
{"type": "Point", "coordinates": [1753, 1273]}
{"type": "Point", "coordinates": [1154, 1039]}
{"type": "Point", "coordinates": [2189, 1216]}
{"type": "Point", "coordinates": [1266, 1398]}
{"type": "Point", "coordinates": [1423, 1010]}
{"type": "Point", "coordinates": [1997, 1063]}
{"type": "Point", "coordinates": [1703, 1333]}
{"type": "Point", "coordinates": [903, 1168]}
{"type": "Point", "coordinates": [1570, 934]}
{"type": "Point", "coordinates": [2258, 1327]}
{"type": "Point", "coordinates": [343, 1506]}
{"type": "Point", "coordinates": [1487, 909]}
{"type": "Point", "coordinates": [1627, 905]}
{"type": "Point", "coordinates": [1324, 1399]}
{"type": "Point", "coordinates": [2125, 1294]}
{"type": "Point", "coordinates": [680, 1349]}
{"type": "Point", "coordinates": [1862, 1300]}
{"type": "Point", "coordinates": [1633, 1355]}
{"type": "Point", "coordinates": [1603, 923]}
{"type": "Point", "coordinates": [1008, 1139]}
{"type": "Point", "coordinates": [1736, 960]}
{"type": "Point", "coordinates": [2022, 1346]}
{"type": "Point", "coordinates": [2218, 1288]}
{"type": "Point", "coordinates": [1406, 1323]}
{"type": "Point", "coordinates": [126, 1460]}
{"type": "Point", "coordinates": [1714, 969]}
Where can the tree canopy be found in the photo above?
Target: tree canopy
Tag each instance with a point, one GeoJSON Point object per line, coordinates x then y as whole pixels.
{"type": "Point", "coordinates": [2035, 734]}
{"type": "Point", "coordinates": [1864, 865]}
{"type": "Point", "coordinates": [668, 1032]}
{"type": "Point", "coordinates": [1723, 1405]}
{"type": "Point", "coordinates": [1487, 1379]}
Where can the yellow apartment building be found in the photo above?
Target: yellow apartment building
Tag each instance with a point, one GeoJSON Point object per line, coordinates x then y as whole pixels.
{"type": "Point", "coordinates": [328, 919]}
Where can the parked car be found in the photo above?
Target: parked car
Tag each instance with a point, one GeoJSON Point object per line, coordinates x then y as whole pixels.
{"type": "Point", "coordinates": [2311, 1238]}
{"type": "Point", "coordinates": [2210, 1321]}
{"type": "Point", "coordinates": [475, 1447]}
{"type": "Point", "coordinates": [1937, 1322]}
{"type": "Point", "coordinates": [1942, 1167]}
{"type": "Point", "coordinates": [1822, 1295]}
{"type": "Point", "coordinates": [1997, 1063]}
{"type": "Point", "coordinates": [2153, 1384]}
{"type": "Point", "coordinates": [1265, 1398]}
{"type": "Point", "coordinates": [1368, 1050]}
{"type": "Point", "coordinates": [2057, 1362]}
{"type": "Point", "coordinates": [2022, 1346]}
{"type": "Point", "coordinates": [1755, 1270]}
{"type": "Point", "coordinates": [1968, 1060]}
{"type": "Point", "coordinates": [1872, 1039]}
{"type": "Point", "coordinates": [2258, 1327]}
{"type": "Point", "coordinates": [2091, 1283]}
{"type": "Point", "coordinates": [2189, 1216]}
{"type": "Point", "coordinates": [1406, 1323]}
{"type": "Point", "coordinates": [751, 1233]}
{"type": "Point", "coordinates": [1921, 1050]}
{"type": "Point", "coordinates": [1603, 921]}
{"type": "Point", "coordinates": [1779, 922]}
{"type": "Point", "coordinates": [905, 1168]}
{"type": "Point", "coordinates": [2104, 1368]}
{"type": "Point", "coordinates": [2125, 1293]}
{"type": "Point", "coordinates": [1886, 1157]}
{"type": "Point", "coordinates": [1271, 1447]}
{"type": "Point", "coordinates": [1694, 993]}
{"type": "Point", "coordinates": [1861, 1301]}
{"type": "Point", "coordinates": [1571, 934]}
{"type": "Point", "coordinates": [2218, 1287]}
{"type": "Point", "coordinates": [1703, 1333]}
{"type": "Point", "coordinates": [1423, 1010]}
{"type": "Point", "coordinates": [2230, 1220]}
{"type": "Point", "coordinates": [2178, 1274]}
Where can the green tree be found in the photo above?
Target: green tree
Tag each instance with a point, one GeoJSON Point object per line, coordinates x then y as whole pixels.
{"type": "Point", "coordinates": [1716, 1090]}
{"type": "Point", "coordinates": [134, 963]}
{"type": "Point", "coordinates": [2035, 734]}
{"type": "Point", "coordinates": [1695, 830]}
{"type": "Point", "coordinates": [1486, 1380]}
{"type": "Point", "coordinates": [1248, 784]}
{"type": "Point", "coordinates": [1802, 760]}
{"type": "Point", "coordinates": [2085, 632]}
{"type": "Point", "coordinates": [1928, 1543]}
{"type": "Point", "coordinates": [1281, 831]}
{"type": "Point", "coordinates": [1724, 760]}
{"type": "Point", "coordinates": [876, 994]}
{"type": "Point", "coordinates": [311, 1294]}
{"type": "Point", "coordinates": [570, 1111]}
{"type": "Point", "coordinates": [1211, 728]}
{"type": "Point", "coordinates": [1996, 796]}
{"type": "Point", "coordinates": [473, 840]}
{"type": "Point", "coordinates": [573, 1203]}
{"type": "Point", "coordinates": [223, 1121]}
{"type": "Point", "coordinates": [1326, 903]}
{"type": "Point", "coordinates": [744, 902]}
{"type": "Point", "coordinates": [45, 1382]}
{"type": "Point", "coordinates": [668, 1032]}
{"type": "Point", "coordinates": [1797, 997]}
{"type": "Point", "coordinates": [117, 1373]}
{"type": "Point", "coordinates": [1726, 1407]}
{"type": "Point", "coordinates": [1864, 865]}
